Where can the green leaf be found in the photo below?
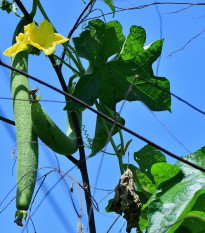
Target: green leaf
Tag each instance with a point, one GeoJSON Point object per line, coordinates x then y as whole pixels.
{"type": "Point", "coordinates": [194, 221]}
{"type": "Point", "coordinates": [145, 183]}
{"type": "Point", "coordinates": [6, 6]}
{"type": "Point", "coordinates": [163, 172]}
{"type": "Point", "coordinates": [148, 156]}
{"type": "Point", "coordinates": [198, 205]}
{"type": "Point", "coordinates": [100, 41]}
{"type": "Point", "coordinates": [134, 43]}
{"type": "Point", "coordinates": [109, 78]}
{"type": "Point", "coordinates": [86, 90]}
{"type": "Point", "coordinates": [101, 134]}
{"type": "Point", "coordinates": [143, 222]}
{"type": "Point", "coordinates": [175, 200]}
{"type": "Point", "coordinates": [111, 5]}
{"type": "Point", "coordinates": [107, 208]}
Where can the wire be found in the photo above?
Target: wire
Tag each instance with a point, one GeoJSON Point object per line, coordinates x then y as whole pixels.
{"type": "Point", "coordinates": [164, 126]}
{"type": "Point", "coordinates": [7, 120]}
{"type": "Point", "coordinates": [148, 5]}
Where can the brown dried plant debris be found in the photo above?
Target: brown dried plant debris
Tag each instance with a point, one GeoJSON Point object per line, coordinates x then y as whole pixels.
{"type": "Point", "coordinates": [127, 201]}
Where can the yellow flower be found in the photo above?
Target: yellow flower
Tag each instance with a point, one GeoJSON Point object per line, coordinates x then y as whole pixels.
{"type": "Point", "coordinates": [20, 45]}
{"type": "Point", "coordinates": [42, 38]}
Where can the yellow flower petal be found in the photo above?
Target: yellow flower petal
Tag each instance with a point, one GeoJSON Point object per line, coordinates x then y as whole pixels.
{"type": "Point", "coordinates": [44, 37]}
{"type": "Point", "coordinates": [45, 28]}
{"type": "Point", "coordinates": [21, 38]}
{"type": "Point", "coordinates": [30, 28]}
{"type": "Point", "coordinates": [21, 45]}
{"type": "Point", "coordinates": [13, 50]}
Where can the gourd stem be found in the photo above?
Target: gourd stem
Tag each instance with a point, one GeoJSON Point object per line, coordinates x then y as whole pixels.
{"type": "Point", "coordinates": [119, 130]}
{"type": "Point", "coordinates": [34, 8]}
{"type": "Point", "coordinates": [69, 66]}
{"type": "Point", "coordinates": [119, 155]}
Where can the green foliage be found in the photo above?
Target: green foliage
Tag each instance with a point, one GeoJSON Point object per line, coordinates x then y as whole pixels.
{"type": "Point", "coordinates": [142, 182]}
{"type": "Point", "coordinates": [148, 156]}
{"type": "Point", "coordinates": [193, 222]}
{"type": "Point", "coordinates": [108, 78]}
{"type": "Point", "coordinates": [172, 195]}
{"type": "Point", "coordinates": [175, 200]}
{"type": "Point", "coordinates": [6, 6]}
{"type": "Point", "coordinates": [103, 128]}
{"type": "Point", "coordinates": [163, 172]}
{"type": "Point", "coordinates": [111, 5]}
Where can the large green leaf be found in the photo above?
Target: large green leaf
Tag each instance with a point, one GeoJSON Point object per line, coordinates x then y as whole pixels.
{"type": "Point", "coordinates": [109, 79]}
{"type": "Point", "coordinates": [148, 156]}
{"type": "Point", "coordinates": [175, 200]}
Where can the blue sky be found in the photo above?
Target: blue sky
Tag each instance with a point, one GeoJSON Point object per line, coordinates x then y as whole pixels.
{"type": "Point", "coordinates": [184, 70]}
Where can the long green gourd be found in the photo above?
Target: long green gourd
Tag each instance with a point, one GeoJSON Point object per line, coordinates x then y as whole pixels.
{"type": "Point", "coordinates": [50, 134]}
{"type": "Point", "coordinates": [27, 147]}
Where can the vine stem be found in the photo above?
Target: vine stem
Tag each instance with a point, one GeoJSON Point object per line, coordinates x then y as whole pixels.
{"type": "Point", "coordinates": [34, 8]}
{"type": "Point", "coordinates": [74, 28]}
{"type": "Point", "coordinates": [118, 128]}
{"type": "Point", "coordinates": [82, 162]}
{"type": "Point", "coordinates": [119, 155]}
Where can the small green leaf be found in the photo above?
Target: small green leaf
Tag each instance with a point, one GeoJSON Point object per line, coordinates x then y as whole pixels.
{"type": "Point", "coordinates": [107, 208]}
{"type": "Point", "coordinates": [38, 98]}
{"type": "Point", "coordinates": [163, 172]}
{"type": "Point", "coordinates": [148, 156]}
{"type": "Point", "coordinates": [142, 182]}
{"type": "Point", "coordinates": [111, 5]}
{"type": "Point", "coordinates": [6, 6]}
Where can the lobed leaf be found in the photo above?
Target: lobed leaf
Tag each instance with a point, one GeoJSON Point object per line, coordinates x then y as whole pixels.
{"type": "Point", "coordinates": [113, 63]}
